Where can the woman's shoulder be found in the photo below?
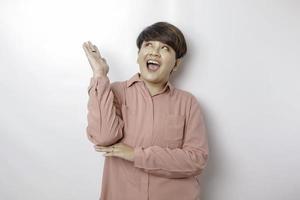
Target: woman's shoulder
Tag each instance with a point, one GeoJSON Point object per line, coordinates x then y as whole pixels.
{"type": "Point", "coordinates": [184, 94]}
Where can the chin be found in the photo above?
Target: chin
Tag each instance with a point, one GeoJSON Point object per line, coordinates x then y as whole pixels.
{"type": "Point", "coordinates": [150, 77]}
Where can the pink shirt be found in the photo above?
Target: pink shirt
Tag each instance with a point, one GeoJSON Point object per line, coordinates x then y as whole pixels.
{"type": "Point", "coordinates": [167, 131]}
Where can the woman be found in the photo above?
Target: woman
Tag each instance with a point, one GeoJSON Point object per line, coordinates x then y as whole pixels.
{"type": "Point", "coordinates": [153, 134]}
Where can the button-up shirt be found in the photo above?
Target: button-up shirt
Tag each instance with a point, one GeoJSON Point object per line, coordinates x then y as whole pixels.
{"type": "Point", "coordinates": [166, 130]}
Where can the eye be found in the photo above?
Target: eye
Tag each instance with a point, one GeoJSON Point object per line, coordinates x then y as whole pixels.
{"type": "Point", "coordinates": [147, 44]}
{"type": "Point", "coordinates": [167, 48]}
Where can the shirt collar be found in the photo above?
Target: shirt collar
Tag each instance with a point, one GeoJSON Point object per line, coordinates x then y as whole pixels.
{"type": "Point", "coordinates": [136, 78]}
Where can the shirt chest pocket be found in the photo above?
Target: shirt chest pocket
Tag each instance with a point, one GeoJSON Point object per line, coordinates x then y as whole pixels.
{"type": "Point", "coordinates": [173, 130]}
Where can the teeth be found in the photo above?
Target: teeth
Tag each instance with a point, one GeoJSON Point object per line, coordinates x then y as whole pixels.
{"type": "Point", "coordinates": [153, 61]}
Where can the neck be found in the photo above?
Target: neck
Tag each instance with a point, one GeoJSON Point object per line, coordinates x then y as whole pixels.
{"type": "Point", "coordinates": [154, 88]}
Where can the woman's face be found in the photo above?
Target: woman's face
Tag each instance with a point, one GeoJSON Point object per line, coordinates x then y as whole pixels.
{"type": "Point", "coordinates": [163, 59]}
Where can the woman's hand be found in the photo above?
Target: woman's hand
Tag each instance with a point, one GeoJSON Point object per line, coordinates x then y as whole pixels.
{"type": "Point", "coordinates": [98, 63]}
{"type": "Point", "coordinates": [120, 150]}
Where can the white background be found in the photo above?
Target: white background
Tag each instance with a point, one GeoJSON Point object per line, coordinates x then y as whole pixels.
{"type": "Point", "coordinates": [242, 65]}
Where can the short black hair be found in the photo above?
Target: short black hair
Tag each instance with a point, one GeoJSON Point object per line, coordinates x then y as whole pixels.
{"type": "Point", "coordinates": [165, 33]}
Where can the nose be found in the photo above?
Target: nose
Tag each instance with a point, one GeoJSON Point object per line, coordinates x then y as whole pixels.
{"type": "Point", "coordinates": [155, 51]}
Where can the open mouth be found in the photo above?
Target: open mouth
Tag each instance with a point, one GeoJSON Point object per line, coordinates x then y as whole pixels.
{"type": "Point", "coordinates": [153, 65]}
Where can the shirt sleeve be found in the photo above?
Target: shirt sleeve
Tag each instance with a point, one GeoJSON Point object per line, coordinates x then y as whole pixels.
{"type": "Point", "coordinates": [183, 162]}
{"type": "Point", "coordinates": [105, 123]}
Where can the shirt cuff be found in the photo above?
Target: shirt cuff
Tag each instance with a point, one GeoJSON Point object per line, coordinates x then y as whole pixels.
{"type": "Point", "coordinates": [138, 156]}
{"type": "Point", "coordinates": [95, 81]}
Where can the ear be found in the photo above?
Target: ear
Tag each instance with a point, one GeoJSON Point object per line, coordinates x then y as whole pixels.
{"type": "Point", "coordinates": [137, 57]}
{"type": "Point", "coordinates": [177, 63]}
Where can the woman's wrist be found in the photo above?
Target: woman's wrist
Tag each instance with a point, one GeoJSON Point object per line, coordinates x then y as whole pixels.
{"type": "Point", "coordinates": [99, 74]}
